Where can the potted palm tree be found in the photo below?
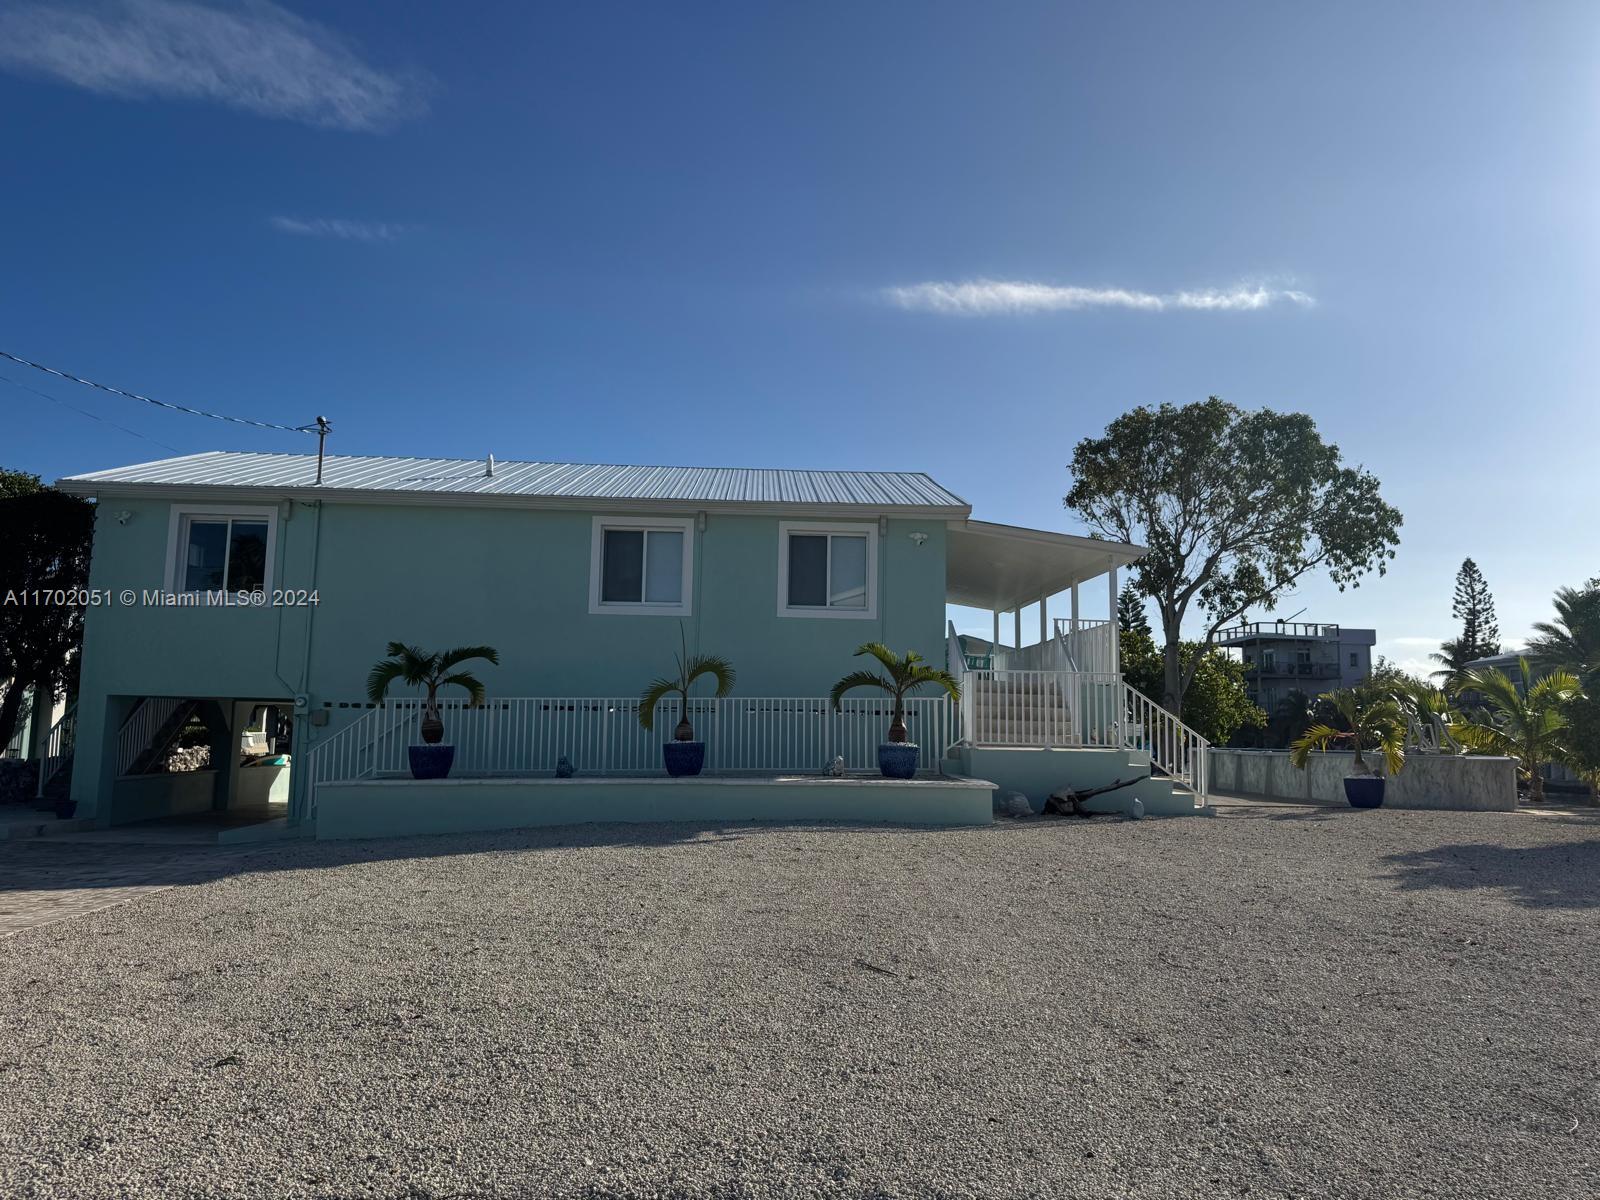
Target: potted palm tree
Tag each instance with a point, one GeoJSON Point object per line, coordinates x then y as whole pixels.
{"type": "Point", "coordinates": [897, 757]}
{"type": "Point", "coordinates": [1529, 722]}
{"type": "Point", "coordinates": [1376, 722]}
{"type": "Point", "coordinates": [432, 759]}
{"type": "Point", "coordinates": [683, 755]}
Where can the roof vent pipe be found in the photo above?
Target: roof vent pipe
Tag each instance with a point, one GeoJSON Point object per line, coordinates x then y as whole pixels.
{"type": "Point", "coordinates": [488, 471]}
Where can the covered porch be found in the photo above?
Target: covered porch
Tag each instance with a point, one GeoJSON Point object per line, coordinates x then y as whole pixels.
{"type": "Point", "coordinates": [1069, 582]}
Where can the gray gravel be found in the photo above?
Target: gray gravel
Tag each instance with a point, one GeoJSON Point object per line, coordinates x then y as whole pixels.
{"type": "Point", "coordinates": [1279, 1002]}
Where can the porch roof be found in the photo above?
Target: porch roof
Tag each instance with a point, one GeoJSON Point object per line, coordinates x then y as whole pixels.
{"type": "Point", "coordinates": [1004, 567]}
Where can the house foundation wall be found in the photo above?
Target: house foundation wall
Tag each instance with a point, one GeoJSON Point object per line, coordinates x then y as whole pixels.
{"type": "Point", "coordinates": [403, 807]}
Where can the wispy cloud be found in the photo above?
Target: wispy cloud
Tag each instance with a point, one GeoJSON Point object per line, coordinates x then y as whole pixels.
{"type": "Point", "coordinates": [998, 297]}
{"type": "Point", "coordinates": [255, 56]}
{"type": "Point", "coordinates": [354, 231]}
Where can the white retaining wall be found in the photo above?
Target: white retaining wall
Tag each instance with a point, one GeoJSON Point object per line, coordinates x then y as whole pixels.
{"type": "Point", "coordinates": [1428, 781]}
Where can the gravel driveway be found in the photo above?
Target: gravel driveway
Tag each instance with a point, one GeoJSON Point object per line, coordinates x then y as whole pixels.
{"type": "Point", "coordinates": [1278, 1002]}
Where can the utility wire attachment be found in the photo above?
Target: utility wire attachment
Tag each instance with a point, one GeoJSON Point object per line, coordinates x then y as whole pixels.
{"type": "Point", "coordinates": [321, 428]}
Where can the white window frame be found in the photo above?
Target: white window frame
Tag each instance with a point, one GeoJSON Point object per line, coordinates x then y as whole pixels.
{"type": "Point", "coordinates": [785, 609]}
{"type": "Point", "coordinates": [633, 608]}
{"type": "Point", "coordinates": [178, 541]}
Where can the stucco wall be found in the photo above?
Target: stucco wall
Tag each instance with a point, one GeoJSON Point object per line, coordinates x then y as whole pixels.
{"type": "Point", "coordinates": [1428, 780]}
{"type": "Point", "coordinates": [402, 807]}
{"type": "Point", "coordinates": [446, 576]}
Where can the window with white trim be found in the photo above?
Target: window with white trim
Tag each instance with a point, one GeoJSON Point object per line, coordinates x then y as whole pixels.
{"type": "Point", "coordinates": [221, 549]}
{"type": "Point", "coordinates": [641, 567]}
{"type": "Point", "coordinates": [827, 570]}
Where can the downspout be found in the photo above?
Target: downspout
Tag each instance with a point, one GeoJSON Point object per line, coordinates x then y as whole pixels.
{"type": "Point", "coordinates": [311, 609]}
{"type": "Point", "coordinates": [299, 783]}
{"type": "Point", "coordinates": [883, 580]}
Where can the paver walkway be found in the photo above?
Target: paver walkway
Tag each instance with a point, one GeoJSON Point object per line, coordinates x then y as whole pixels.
{"type": "Point", "coordinates": [50, 879]}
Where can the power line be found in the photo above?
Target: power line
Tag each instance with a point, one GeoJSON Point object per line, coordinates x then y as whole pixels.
{"type": "Point", "coordinates": [315, 427]}
{"type": "Point", "coordinates": [85, 412]}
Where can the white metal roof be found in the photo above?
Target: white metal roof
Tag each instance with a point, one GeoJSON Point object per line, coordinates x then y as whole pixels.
{"type": "Point", "coordinates": [530, 482]}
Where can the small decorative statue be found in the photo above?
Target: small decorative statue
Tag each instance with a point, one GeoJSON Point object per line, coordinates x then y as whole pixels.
{"type": "Point", "coordinates": [836, 767]}
{"type": "Point", "coordinates": [563, 767]}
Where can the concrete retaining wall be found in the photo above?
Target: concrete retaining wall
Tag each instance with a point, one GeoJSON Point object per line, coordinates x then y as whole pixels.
{"type": "Point", "coordinates": [1038, 773]}
{"type": "Point", "coordinates": [1428, 780]}
{"type": "Point", "coordinates": [401, 807]}
{"type": "Point", "coordinates": [143, 797]}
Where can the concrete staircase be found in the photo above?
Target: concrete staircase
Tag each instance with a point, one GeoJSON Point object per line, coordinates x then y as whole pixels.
{"type": "Point", "coordinates": [1020, 709]}
{"type": "Point", "coordinates": [1036, 773]}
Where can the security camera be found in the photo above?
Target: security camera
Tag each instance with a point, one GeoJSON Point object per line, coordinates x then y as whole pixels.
{"type": "Point", "coordinates": [919, 538]}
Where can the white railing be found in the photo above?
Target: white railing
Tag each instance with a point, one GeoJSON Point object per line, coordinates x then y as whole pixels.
{"type": "Point", "coordinates": [141, 727]}
{"type": "Point", "coordinates": [1091, 642]}
{"type": "Point", "coordinates": [59, 744]}
{"type": "Point", "coordinates": [1049, 655]}
{"type": "Point", "coordinates": [1059, 709]}
{"type": "Point", "coordinates": [955, 658]}
{"type": "Point", "coordinates": [602, 735]}
{"type": "Point", "coordinates": [1019, 708]}
{"type": "Point", "coordinates": [1173, 747]}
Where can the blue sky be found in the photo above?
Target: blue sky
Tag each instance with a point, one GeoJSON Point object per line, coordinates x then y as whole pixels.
{"type": "Point", "coordinates": [944, 237]}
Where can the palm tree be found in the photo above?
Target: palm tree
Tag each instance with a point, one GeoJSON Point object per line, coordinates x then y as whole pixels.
{"type": "Point", "coordinates": [905, 672]}
{"type": "Point", "coordinates": [1452, 656]}
{"type": "Point", "coordinates": [1292, 716]}
{"type": "Point", "coordinates": [432, 671]}
{"type": "Point", "coordinates": [1571, 642]}
{"type": "Point", "coordinates": [1528, 723]}
{"type": "Point", "coordinates": [690, 668]}
{"type": "Point", "coordinates": [1376, 722]}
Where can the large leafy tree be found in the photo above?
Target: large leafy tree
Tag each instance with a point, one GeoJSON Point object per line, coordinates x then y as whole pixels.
{"type": "Point", "coordinates": [45, 538]}
{"type": "Point", "coordinates": [1218, 705]}
{"type": "Point", "coordinates": [1473, 606]}
{"type": "Point", "coordinates": [1234, 507]}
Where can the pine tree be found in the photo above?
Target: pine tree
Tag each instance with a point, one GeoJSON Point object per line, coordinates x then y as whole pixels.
{"type": "Point", "coordinates": [1131, 615]}
{"type": "Point", "coordinates": [1474, 608]}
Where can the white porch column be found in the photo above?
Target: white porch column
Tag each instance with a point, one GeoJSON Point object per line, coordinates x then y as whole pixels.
{"type": "Point", "coordinates": [1044, 620]}
{"type": "Point", "coordinates": [1016, 627]}
{"type": "Point", "coordinates": [994, 642]}
{"type": "Point", "coordinates": [1073, 628]}
{"type": "Point", "coordinates": [1116, 640]}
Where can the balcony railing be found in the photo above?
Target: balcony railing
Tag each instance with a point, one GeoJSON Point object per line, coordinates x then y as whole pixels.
{"type": "Point", "coordinates": [1274, 629]}
{"type": "Point", "coordinates": [1316, 670]}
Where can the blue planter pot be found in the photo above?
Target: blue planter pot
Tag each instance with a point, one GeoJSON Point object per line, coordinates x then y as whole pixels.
{"type": "Point", "coordinates": [1363, 791]}
{"type": "Point", "coordinates": [897, 760]}
{"type": "Point", "coordinates": [683, 758]}
{"type": "Point", "coordinates": [431, 762]}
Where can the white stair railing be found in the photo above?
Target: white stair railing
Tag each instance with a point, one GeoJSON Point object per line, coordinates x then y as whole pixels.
{"type": "Point", "coordinates": [1019, 708]}
{"type": "Point", "coordinates": [1175, 748]}
{"type": "Point", "coordinates": [139, 730]}
{"type": "Point", "coordinates": [1090, 641]}
{"type": "Point", "coordinates": [58, 747]}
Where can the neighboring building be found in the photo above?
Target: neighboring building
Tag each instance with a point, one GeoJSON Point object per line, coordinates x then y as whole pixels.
{"type": "Point", "coordinates": [582, 577]}
{"type": "Point", "coordinates": [1288, 656]}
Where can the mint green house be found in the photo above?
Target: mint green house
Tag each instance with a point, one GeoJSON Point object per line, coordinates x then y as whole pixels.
{"type": "Point", "coordinates": [231, 585]}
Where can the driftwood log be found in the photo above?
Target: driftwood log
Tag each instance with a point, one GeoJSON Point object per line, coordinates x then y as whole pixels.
{"type": "Point", "coordinates": [1068, 803]}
